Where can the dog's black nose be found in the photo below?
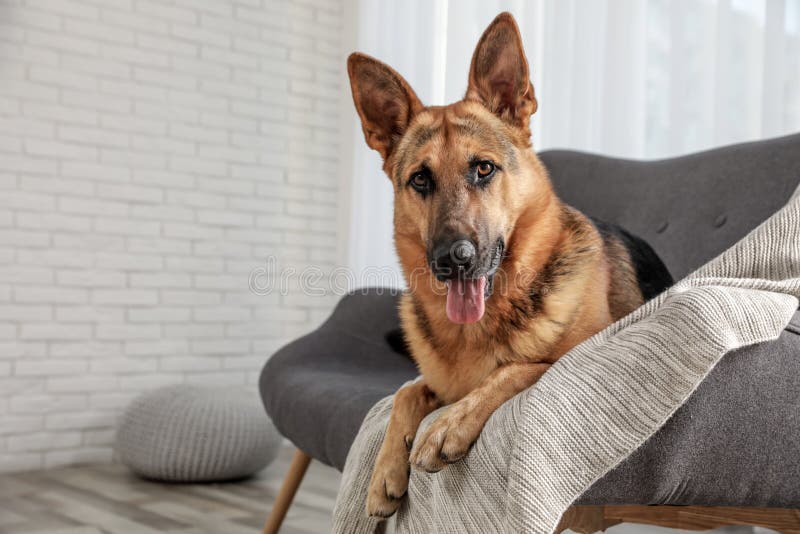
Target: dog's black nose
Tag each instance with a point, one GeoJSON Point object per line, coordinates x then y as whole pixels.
{"type": "Point", "coordinates": [462, 251]}
{"type": "Point", "coordinates": [451, 257]}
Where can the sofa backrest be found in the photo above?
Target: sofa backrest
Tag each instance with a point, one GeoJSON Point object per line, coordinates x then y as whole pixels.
{"type": "Point", "coordinates": [688, 208]}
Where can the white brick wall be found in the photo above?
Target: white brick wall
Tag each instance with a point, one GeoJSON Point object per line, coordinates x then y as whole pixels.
{"type": "Point", "coordinates": [152, 154]}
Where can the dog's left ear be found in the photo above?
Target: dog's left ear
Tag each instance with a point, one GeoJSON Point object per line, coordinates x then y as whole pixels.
{"type": "Point", "coordinates": [498, 75]}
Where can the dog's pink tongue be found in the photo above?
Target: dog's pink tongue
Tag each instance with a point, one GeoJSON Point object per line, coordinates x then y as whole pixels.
{"type": "Point", "coordinates": [465, 300]}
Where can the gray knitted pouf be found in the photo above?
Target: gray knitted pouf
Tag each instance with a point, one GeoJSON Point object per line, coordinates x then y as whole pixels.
{"type": "Point", "coordinates": [185, 433]}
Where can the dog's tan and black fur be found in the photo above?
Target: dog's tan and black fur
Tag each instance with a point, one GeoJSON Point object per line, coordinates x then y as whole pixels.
{"type": "Point", "coordinates": [466, 172]}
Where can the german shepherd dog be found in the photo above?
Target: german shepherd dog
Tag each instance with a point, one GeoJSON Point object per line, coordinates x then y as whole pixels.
{"type": "Point", "coordinates": [503, 277]}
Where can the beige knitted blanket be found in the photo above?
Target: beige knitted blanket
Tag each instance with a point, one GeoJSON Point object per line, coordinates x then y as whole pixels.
{"type": "Point", "coordinates": [542, 449]}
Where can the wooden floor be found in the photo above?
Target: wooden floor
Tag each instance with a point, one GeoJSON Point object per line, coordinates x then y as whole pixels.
{"type": "Point", "coordinates": [108, 499]}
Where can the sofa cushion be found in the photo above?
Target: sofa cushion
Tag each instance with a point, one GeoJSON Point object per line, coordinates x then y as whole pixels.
{"type": "Point", "coordinates": [735, 442]}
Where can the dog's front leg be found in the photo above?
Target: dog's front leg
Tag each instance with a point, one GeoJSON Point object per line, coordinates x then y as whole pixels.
{"type": "Point", "coordinates": [449, 437]}
{"type": "Point", "coordinates": [390, 476]}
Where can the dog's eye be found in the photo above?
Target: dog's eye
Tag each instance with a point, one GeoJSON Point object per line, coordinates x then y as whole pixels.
{"type": "Point", "coordinates": [484, 169]}
{"type": "Point", "coordinates": [421, 182]}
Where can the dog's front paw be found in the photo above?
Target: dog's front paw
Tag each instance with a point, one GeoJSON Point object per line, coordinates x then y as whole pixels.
{"type": "Point", "coordinates": [388, 485]}
{"type": "Point", "coordinates": [447, 440]}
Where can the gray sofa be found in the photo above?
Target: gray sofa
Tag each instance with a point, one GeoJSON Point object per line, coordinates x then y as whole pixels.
{"type": "Point", "coordinates": [736, 442]}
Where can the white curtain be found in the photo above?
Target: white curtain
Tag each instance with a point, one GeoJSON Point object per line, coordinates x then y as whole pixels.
{"type": "Point", "coordinates": [628, 78]}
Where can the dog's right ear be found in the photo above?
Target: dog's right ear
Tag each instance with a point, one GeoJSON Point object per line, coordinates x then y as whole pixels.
{"type": "Point", "coordinates": [384, 101]}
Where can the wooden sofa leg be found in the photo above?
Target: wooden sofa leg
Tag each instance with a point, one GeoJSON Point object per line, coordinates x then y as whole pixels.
{"type": "Point", "coordinates": [290, 484]}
